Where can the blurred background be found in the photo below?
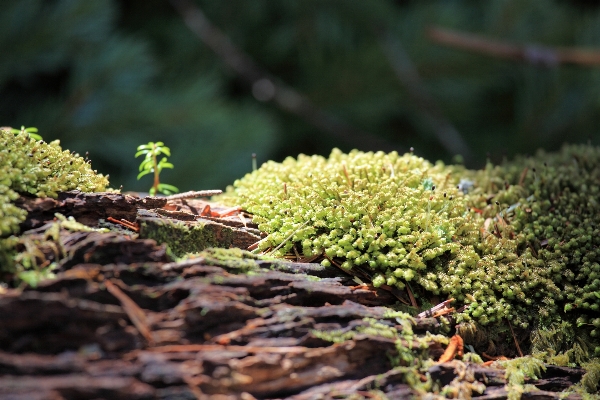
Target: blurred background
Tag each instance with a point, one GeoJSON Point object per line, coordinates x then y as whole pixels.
{"type": "Point", "coordinates": [220, 80]}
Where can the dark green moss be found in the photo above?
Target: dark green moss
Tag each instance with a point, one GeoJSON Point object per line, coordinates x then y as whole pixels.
{"type": "Point", "coordinates": [186, 237]}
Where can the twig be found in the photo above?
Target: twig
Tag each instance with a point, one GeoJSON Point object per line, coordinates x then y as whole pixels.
{"type": "Point", "coordinates": [194, 194]}
{"type": "Point", "coordinates": [411, 296]}
{"type": "Point", "coordinates": [523, 175]}
{"type": "Point", "coordinates": [396, 292]}
{"type": "Point", "coordinates": [515, 338]}
{"type": "Point", "coordinates": [435, 309]}
{"type": "Point", "coordinates": [289, 237]}
{"type": "Point", "coordinates": [183, 348]}
{"type": "Point", "coordinates": [270, 88]}
{"type": "Point", "coordinates": [493, 358]}
{"type": "Point", "coordinates": [134, 312]}
{"type": "Point", "coordinates": [125, 223]}
{"type": "Point", "coordinates": [225, 338]}
{"type": "Point", "coordinates": [534, 54]}
{"type": "Point", "coordinates": [180, 265]}
{"type": "Point", "coordinates": [407, 74]}
{"type": "Point", "coordinates": [229, 211]}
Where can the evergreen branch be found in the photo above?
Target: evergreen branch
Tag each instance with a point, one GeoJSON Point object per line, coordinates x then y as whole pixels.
{"type": "Point", "coordinates": [534, 54]}
{"type": "Point", "coordinates": [267, 87]}
{"type": "Point", "coordinates": [407, 74]}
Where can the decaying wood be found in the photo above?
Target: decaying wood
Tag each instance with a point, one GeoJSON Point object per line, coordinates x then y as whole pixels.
{"type": "Point", "coordinates": [86, 208]}
{"type": "Point", "coordinates": [123, 320]}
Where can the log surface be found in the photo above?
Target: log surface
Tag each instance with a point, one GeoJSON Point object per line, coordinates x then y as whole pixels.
{"type": "Point", "coordinates": [122, 320]}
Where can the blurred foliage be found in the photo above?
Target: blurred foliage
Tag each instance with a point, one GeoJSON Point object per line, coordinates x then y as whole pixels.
{"type": "Point", "coordinates": [104, 76]}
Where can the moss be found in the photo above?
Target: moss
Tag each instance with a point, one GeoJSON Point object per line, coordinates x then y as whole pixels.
{"type": "Point", "coordinates": [562, 344]}
{"type": "Point", "coordinates": [400, 216]}
{"type": "Point", "coordinates": [464, 384]}
{"type": "Point", "coordinates": [35, 168]}
{"type": "Point", "coordinates": [472, 358]}
{"type": "Point", "coordinates": [591, 379]}
{"type": "Point", "coordinates": [522, 367]}
{"type": "Point", "coordinates": [517, 370]}
{"type": "Point", "coordinates": [516, 242]}
{"type": "Point", "coordinates": [233, 259]}
{"type": "Point", "coordinates": [545, 210]}
{"type": "Point", "coordinates": [411, 350]}
{"type": "Point", "coordinates": [186, 237]}
{"type": "Point", "coordinates": [334, 336]}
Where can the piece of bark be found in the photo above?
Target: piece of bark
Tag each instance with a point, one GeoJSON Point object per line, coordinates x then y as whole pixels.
{"type": "Point", "coordinates": [48, 323]}
{"type": "Point", "coordinates": [109, 248]}
{"type": "Point", "coordinates": [86, 208]}
{"type": "Point", "coordinates": [74, 386]}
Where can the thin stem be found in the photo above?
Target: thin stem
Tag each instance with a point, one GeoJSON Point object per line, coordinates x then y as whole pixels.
{"type": "Point", "coordinates": [156, 181]}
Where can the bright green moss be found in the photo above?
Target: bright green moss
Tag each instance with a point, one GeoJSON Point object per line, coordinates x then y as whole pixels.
{"type": "Point", "coordinates": [400, 216]}
{"type": "Point", "coordinates": [515, 242]}
{"type": "Point", "coordinates": [517, 370]}
{"type": "Point", "coordinates": [36, 168]}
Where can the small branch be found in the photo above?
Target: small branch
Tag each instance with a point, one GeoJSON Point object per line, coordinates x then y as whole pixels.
{"type": "Point", "coordinates": [407, 74]}
{"type": "Point", "coordinates": [194, 194]}
{"type": "Point", "coordinates": [184, 348]}
{"type": "Point", "coordinates": [534, 54]}
{"type": "Point", "coordinates": [266, 87]}
{"type": "Point", "coordinates": [134, 312]}
{"type": "Point", "coordinates": [515, 338]}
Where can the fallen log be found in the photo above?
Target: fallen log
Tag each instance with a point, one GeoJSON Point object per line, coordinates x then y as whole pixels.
{"type": "Point", "coordinates": [124, 319]}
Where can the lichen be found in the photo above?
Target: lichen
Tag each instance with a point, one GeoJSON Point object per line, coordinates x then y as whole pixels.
{"type": "Point", "coordinates": [35, 168]}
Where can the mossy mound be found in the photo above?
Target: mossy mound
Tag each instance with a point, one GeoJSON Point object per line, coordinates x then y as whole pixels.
{"type": "Point", "coordinates": [37, 168]}
{"type": "Point", "coordinates": [548, 206]}
{"type": "Point", "coordinates": [401, 216]}
{"type": "Point", "coordinates": [517, 241]}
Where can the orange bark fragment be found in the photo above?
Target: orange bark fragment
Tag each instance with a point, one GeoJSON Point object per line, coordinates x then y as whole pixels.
{"type": "Point", "coordinates": [456, 347]}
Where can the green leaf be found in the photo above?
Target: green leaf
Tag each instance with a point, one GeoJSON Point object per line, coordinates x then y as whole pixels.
{"type": "Point", "coordinates": [147, 165]}
{"type": "Point", "coordinates": [31, 131]}
{"type": "Point", "coordinates": [165, 150]}
{"type": "Point", "coordinates": [140, 152]}
{"type": "Point", "coordinates": [144, 147]}
{"type": "Point", "coordinates": [164, 163]}
{"type": "Point", "coordinates": [167, 189]}
{"type": "Point", "coordinates": [145, 172]}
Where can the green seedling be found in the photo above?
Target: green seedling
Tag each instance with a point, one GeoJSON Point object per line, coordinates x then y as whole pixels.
{"type": "Point", "coordinates": [151, 165]}
{"type": "Point", "coordinates": [31, 131]}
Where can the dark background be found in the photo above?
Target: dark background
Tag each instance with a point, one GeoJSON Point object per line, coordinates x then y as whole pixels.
{"type": "Point", "coordinates": [107, 75]}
